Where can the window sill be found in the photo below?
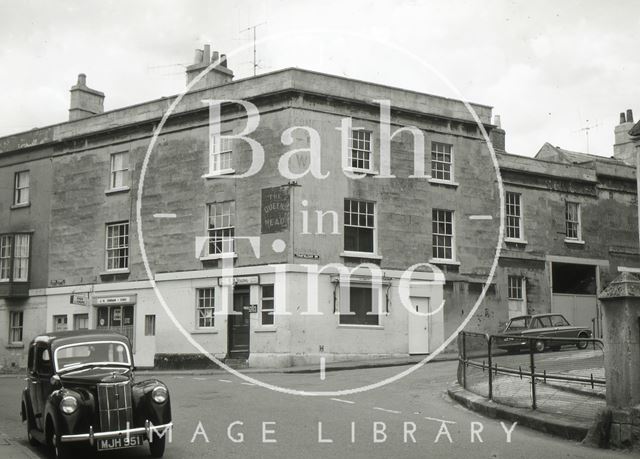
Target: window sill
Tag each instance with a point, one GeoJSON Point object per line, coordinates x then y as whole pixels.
{"type": "Point", "coordinates": [21, 206]}
{"type": "Point", "coordinates": [115, 271]}
{"type": "Point", "coordinates": [221, 172]}
{"type": "Point", "coordinates": [122, 189]}
{"type": "Point", "coordinates": [269, 329]}
{"type": "Point", "coordinates": [515, 241]}
{"type": "Point", "coordinates": [356, 326]}
{"type": "Point", "coordinates": [449, 183]}
{"type": "Point", "coordinates": [574, 241]}
{"type": "Point", "coordinates": [354, 170]}
{"type": "Point", "coordinates": [16, 345]}
{"type": "Point", "coordinates": [441, 261]}
{"type": "Point", "coordinates": [219, 256]}
{"type": "Point", "coordinates": [353, 254]}
{"type": "Point", "coordinates": [204, 331]}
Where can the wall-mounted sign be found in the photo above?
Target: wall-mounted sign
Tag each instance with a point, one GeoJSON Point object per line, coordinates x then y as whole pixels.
{"type": "Point", "coordinates": [243, 280]}
{"type": "Point", "coordinates": [307, 255]}
{"type": "Point", "coordinates": [252, 308]}
{"type": "Point", "coordinates": [79, 299]}
{"type": "Point", "coordinates": [109, 300]}
{"type": "Point", "coordinates": [275, 209]}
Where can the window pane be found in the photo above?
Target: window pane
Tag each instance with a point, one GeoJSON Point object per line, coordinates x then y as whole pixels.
{"type": "Point", "coordinates": [441, 161]}
{"type": "Point", "coordinates": [361, 307]}
{"type": "Point", "coordinates": [442, 234]}
{"type": "Point", "coordinates": [221, 231]}
{"type": "Point", "coordinates": [117, 246]}
{"type": "Point", "coordinates": [359, 221]}
{"type": "Point", "coordinates": [149, 325]}
{"type": "Point", "coordinates": [205, 307]}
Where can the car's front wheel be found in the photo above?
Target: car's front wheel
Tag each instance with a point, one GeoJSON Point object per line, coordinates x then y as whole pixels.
{"type": "Point", "coordinates": [58, 449]}
{"type": "Point", "coordinates": [156, 445]}
{"type": "Point", "coordinates": [32, 440]}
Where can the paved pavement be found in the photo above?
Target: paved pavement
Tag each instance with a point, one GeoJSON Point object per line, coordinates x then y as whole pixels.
{"type": "Point", "coordinates": [220, 415]}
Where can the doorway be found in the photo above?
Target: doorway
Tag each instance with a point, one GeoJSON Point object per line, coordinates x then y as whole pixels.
{"type": "Point", "coordinates": [238, 324]}
{"type": "Point", "coordinates": [419, 326]}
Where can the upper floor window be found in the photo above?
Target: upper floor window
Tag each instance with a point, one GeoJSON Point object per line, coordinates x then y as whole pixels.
{"type": "Point", "coordinates": [221, 227]}
{"type": "Point", "coordinates": [442, 161]}
{"type": "Point", "coordinates": [117, 246]}
{"type": "Point", "coordinates": [205, 307]}
{"type": "Point", "coordinates": [442, 234]}
{"type": "Point", "coordinates": [21, 188]}
{"type": "Point", "coordinates": [16, 322]}
{"type": "Point", "coordinates": [221, 155]}
{"type": "Point", "coordinates": [514, 215]}
{"type": "Point", "coordinates": [119, 177]}
{"type": "Point", "coordinates": [360, 152]}
{"type": "Point", "coordinates": [359, 226]}
{"type": "Point", "coordinates": [14, 257]}
{"type": "Point", "coordinates": [573, 221]}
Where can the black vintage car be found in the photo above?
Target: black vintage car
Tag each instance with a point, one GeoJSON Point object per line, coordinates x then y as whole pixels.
{"type": "Point", "coordinates": [541, 329]}
{"type": "Point", "coordinates": [81, 389]}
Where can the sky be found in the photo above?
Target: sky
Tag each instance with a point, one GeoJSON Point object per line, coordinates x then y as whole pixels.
{"type": "Point", "coordinates": [550, 69]}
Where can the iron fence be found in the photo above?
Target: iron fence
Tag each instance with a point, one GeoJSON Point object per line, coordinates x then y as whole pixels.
{"type": "Point", "coordinates": [551, 374]}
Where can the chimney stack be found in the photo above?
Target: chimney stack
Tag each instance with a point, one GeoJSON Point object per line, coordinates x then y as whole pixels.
{"type": "Point", "coordinates": [498, 135]}
{"type": "Point", "coordinates": [216, 76]}
{"type": "Point", "coordinates": [623, 148]}
{"type": "Point", "coordinates": [84, 100]}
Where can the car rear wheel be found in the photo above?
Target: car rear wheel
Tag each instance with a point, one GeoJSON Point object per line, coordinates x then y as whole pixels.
{"type": "Point", "coordinates": [582, 344]}
{"type": "Point", "coordinates": [540, 346]}
{"type": "Point", "coordinates": [156, 445]}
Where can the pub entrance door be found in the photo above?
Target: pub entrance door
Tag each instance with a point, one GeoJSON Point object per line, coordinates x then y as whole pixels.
{"type": "Point", "coordinates": [238, 324]}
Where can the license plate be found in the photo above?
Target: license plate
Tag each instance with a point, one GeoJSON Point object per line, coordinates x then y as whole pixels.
{"type": "Point", "coordinates": [120, 442]}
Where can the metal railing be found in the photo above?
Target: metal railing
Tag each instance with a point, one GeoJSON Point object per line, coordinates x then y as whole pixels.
{"type": "Point", "coordinates": [522, 371]}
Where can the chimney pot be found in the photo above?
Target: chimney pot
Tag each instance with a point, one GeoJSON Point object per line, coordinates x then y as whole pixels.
{"type": "Point", "coordinates": [497, 121]}
{"type": "Point", "coordinates": [207, 54]}
{"type": "Point", "coordinates": [82, 79]}
{"type": "Point", "coordinates": [623, 118]}
{"type": "Point", "coordinates": [215, 56]}
{"type": "Point", "coordinates": [629, 115]}
{"type": "Point", "coordinates": [223, 60]}
{"type": "Point", "coordinates": [197, 58]}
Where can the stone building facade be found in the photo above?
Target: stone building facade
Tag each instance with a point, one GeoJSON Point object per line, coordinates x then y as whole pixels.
{"type": "Point", "coordinates": [436, 201]}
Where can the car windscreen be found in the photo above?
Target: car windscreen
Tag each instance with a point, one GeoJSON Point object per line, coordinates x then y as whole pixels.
{"type": "Point", "coordinates": [102, 352]}
{"type": "Point", "coordinates": [518, 324]}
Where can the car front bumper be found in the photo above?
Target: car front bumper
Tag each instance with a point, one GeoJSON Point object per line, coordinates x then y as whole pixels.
{"type": "Point", "coordinates": [92, 436]}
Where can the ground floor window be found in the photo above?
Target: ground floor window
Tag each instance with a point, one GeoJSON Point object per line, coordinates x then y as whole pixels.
{"type": "Point", "coordinates": [361, 307]}
{"type": "Point", "coordinates": [117, 318]}
{"type": "Point", "coordinates": [60, 323]}
{"type": "Point", "coordinates": [80, 321]}
{"type": "Point", "coordinates": [16, 321]}
{"type": "Point", "coordinates": [150, 325]}
{"type": "Point", "coordinates": [515, 288]}
{"type": "Point", "coordinates": [206, 307]}
{"type": "Point", "coordinates": [267, 305]}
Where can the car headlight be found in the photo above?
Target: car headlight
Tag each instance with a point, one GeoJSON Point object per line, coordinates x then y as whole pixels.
{"type": "Point", "coordinates": [68, 404]}
{"type": "Point", "coordinates": [160, 394]}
